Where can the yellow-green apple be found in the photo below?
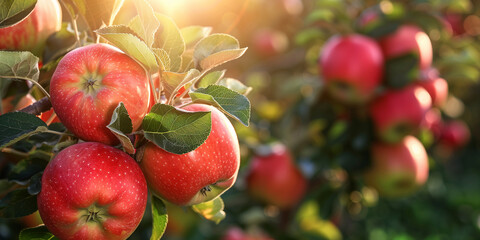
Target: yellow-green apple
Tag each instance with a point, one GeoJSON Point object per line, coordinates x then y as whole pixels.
{"type": "Point", "coordinates": [408, 39]}
{"type": "Point", "coordinates": [455, 134]}
{"type": "Point", "coordinates": [398, 169]}
{"type": "Point", "coordinates": [398, 113]}
{"type": "Point", "coordinates": [92, 191]}
{"type": "Point", "coordinates": [200, 175]}
{"type": "Point", "coordinates": [31, 33]}
{"type": "Point", "coordinates": [352, 67]}
{"type": "Point", "coordinates": [436, 86]}
{"type": "Point", "coordinates": [90, 82]}
{"type": "Point", "coordinates": [275, 179]}
{"type": "Point", "coordinates": [269, 42]}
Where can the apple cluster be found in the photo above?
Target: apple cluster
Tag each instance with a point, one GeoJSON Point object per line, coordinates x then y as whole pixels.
{"type": "Point", "coordinates": [91, 189]}
{"type": "Point", "coordinates": [391, 79]}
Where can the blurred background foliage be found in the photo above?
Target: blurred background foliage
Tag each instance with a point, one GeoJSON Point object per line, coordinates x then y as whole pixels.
{"type": "Point", "coordinates": [330, 146]}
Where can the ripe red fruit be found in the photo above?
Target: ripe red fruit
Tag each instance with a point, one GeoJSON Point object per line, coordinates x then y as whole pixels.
{"type": "Point", "coordinates": [455, 134]}
{"type": "Point", "coordinates": [200, 175]}
{"type": "Point", "coordinates": [92, 191]}
{"type": "Point", "coordinates": [352, 67]}
{"type": "Point", "coordinates": [268, 42]}
{"type": "Point", "coordinates": [398, 113]}
{"type": "Point", "coordinates": [408, 39]}
{"type": "Point", "coordinates": [31, 33]}
{"type": "Point", "coordinates": [88, 85]}
{"type": "Point", "coordinates": [398, 169]}
{"type": "Point", "coordinates": [275, 179]}
{"type": "Point", "coordinates": [45, 116]}
{"type": "Point", "coordinates": [433, 122]}
{"type": "Point", "coordinates": [436, 86]}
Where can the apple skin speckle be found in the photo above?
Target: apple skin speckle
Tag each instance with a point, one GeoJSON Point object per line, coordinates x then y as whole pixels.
{"type": "Point", "coordinates": [179, 179]}
{"type": "Point", "coordinates": [86, 109]}
{"type": "Point", "coordinates": [79, 178]}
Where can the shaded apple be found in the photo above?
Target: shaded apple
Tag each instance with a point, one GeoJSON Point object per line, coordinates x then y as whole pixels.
{"type": "Point", "coordinates": [398, 169]}
{"type": "Point", "coordinates": [269, 42]}
{"type": "Point", "coordinates": [31, 33]}
{"type": "Point", "coordinates": [454, 135]}
{"type": "Point", "coordinates": [408, 39]}
{"type": "Point", "coordinates": [275, 179]}
{"type": "Point", "coordinates": [398, 113]}
{"type": "Point", "coordinates": [351, 67]}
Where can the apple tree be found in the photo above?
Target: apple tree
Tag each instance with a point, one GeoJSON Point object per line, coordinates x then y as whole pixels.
{"type": "Point", "coordinates": [95, 108]}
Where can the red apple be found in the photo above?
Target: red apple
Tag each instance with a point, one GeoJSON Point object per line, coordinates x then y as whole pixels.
{"type": "Point", "coordinates": [454, 23]}
{"type": "Point", "coordinates": [31, 33]}
{"type": "Point", "coordinates": [398, 169]}
{"type": "Point", "coordinates": [45, 116]}
{"type": "Point", "coordinates": [437, 87]}
{"type": "Point", "coordinates": [92, 191]}
{"type": "Point", "coordinates": [269, 42]}
{"type": "Point", "coordinates": [352, 67]}
{"type": "Point", "coordinates": [200, 175]}
{"type": "Point", "coordinates": [398, 113]}
{"type": "Point", "coordinates": [408, 39]}
{"type": "Point", "coordinates": [433, 122]}
{"type": "Point", "coordinates": [88, 85]}
{"type": "Point", "coordinates": [274, 178]}
{"type": "Point", "coordinates": [455, 134]}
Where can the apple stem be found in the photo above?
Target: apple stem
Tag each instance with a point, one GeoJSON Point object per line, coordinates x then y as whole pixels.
{"type": "Point", "coordinates": [32, 81]}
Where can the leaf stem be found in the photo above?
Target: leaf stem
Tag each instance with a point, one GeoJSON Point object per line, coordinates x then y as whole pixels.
{"type": "Point", "coordinates": [14, 152]}
{"type": "Point", "coordinates": [31, 80]}
{"type": "Point", "coordinates": [57, 133]}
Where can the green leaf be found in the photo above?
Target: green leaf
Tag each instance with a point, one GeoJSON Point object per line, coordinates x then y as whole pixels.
{"type": "Point", "coordinates": [121, 126]}
{"type": "Point", "coordinates": [211, 78]}
{"type": "Point", "coordinates": [160, 218]}
{"type": "Point", "coordinates": [36, 233]}
{"type": "Point", "coordinates": [193, 34]}
{"type": "Point", "coordinates": [61, 42]}
{"type": "Point", "coordinates": [19, 65]}
{"type": "Point", "coordinates": [13, 11]}
{"type": "Point", "coordinates": [26, 168]}
{"type": "Point", "coordinates": [145, 23]}
{"type": "Point", "coordinates": [229, 101]}
{"type": "Point", "coordinates": [172, 82]}
{"type": "Point", "coordinates": [176, 131]}
{"type": "Point", "coordinates": [402, 70]}
{"type": "Point", "coordinates": [126, 40]}
{"type": "Point", "coordinates": [220, 58]}
{"type": "Point", "coordinates": [169, 38]}
{"type": "Point", "coordinates": [216, 49]}
{"type": "Point", "coordinates": [18, 203]}
{"type": "Point", "coordinates": [211, 210]}
{"type": "Point", "coordinates": [235, 85]}
{"type": "Point", "coordinates": [96, 13]}
{"type": "Point", "coordinates": [35, 185]}
{"type": "Point", "coordinates": [16, 126]}
{"type": "Point", "coordinates": [163, 59]}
